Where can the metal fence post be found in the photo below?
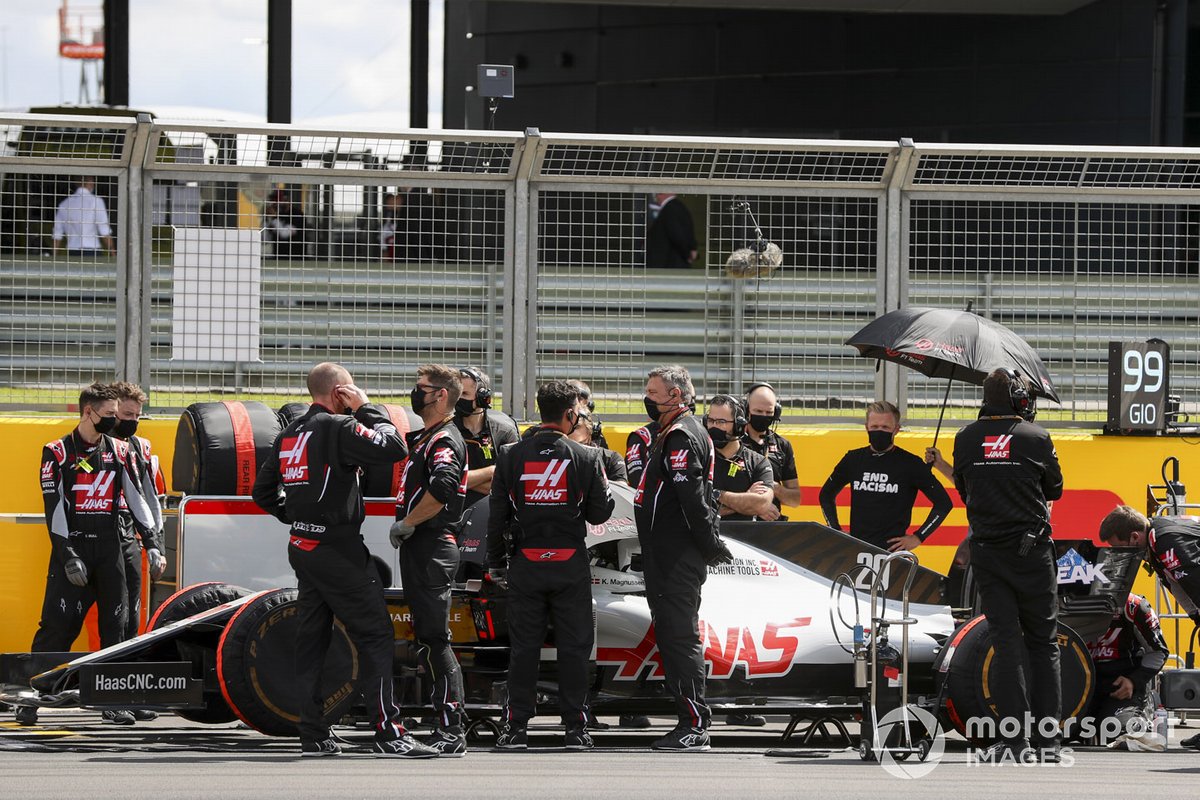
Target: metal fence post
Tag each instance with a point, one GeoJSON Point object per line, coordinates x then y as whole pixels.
{"type": "Point", "coordinates": [519, 312]}
{"type": "Point", "coordinates": [895, 263]}
{"type": "Point", "coordinates": [131, 304]}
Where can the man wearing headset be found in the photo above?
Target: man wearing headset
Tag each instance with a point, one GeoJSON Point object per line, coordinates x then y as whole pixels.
{"type": "Point", "coordinates": [741, 477]}
{"type": "Point", "coordinates": [763, 410]}
{"type": "Point", "coordinates": [484, 431]}
{"type": "Point", "coordinates": [1006, 470]}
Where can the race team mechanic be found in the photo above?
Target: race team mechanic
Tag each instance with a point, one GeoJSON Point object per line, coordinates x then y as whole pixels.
{"type": "Point", "coordinates": [637, 447]}
{"type": "Point", "coordinates": [548, 488]}
{"type": "Point", "coordinates": [429, 507]}
{"type": "Point", "coordinates": [763, 412]}
{"type": "Point", "coordinates": [884, 481]}
{"type": "Point", "coordinates": [678, 526]}
{"type": "Point", "coordinates": [588, 432]}
{"type": "Point", "coordinates": [83, 476]}
{"type": "Point", "coordinates": [1127, 657]}
{"type": "Point", "coordinates": [741, 477]}
{"type": "Point", "coordinates": [484, 431]}
{"type": "Point", "coordinates": [310, 481]}
{"type": "Point", "coordinates": [130, 399]}
{"type": "Point", "coordinates": [1006, 470]}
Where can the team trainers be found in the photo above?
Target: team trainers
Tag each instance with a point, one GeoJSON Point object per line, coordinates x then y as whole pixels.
{"type": "Point", "coordinates": [684, 740]}
{"type": "Point", "coordinates": [26, 715]}
{"type": "Point", "coordinates": [325, 747]}
{"type": "Point", "coordinates": [579, 739]}
{"type": "Point", "coordinates": [144, 715]}
{"type": "Point", "coordinates": [513, 737]}
{"type": "Point", "coordinates": [404, 747]}
{"type": "Point", "coordinates": [448, 743]}
{"type": "Point", "coordinates": [117, 717]}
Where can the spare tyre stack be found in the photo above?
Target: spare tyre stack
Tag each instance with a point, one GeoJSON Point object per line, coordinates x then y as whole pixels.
{"type": "Point", "coordinates": [220, 446]}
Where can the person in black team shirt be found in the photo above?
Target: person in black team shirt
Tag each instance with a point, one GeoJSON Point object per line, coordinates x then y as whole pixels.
{"type": "Point", "coordinates": [310, 481]}
{"type": "Point", "coordinates": [1006, 470]}
{"type": "Point", "coordinates": [762, 412]}
{"type": "Point", "coordinates": [884, 481]}
{"type": "Point", "coordinates": [741, 476]}
{"type": "Point", "coordinates": [637, 446]}
{"type": "Point", "coordinates": [551, 487]}
{"type": "Point", "coordinates": [83, 476]}
{"type": "Point", "coordinates": [484, 431]}
{"type": "Point", "coordinates": [587, 431]}
{"type": "Point", "coordinates": [433, 489]}
{"type": "Point", "coordinates": [676, 515]}
{"type": "Point", "coordinates": [1127, 657]}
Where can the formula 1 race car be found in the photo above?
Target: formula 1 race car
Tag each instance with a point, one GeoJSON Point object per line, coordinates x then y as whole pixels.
{"type": "Point", "coordinates": [778, 625]}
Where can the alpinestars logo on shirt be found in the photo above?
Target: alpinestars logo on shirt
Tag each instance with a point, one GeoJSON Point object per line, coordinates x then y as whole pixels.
{"type": "Point", "coordinates": [94, 492]}
{"type": "Point", "coordinates": [293, 458]}
{"type": "Point", "coordinates": [545, 481]}
{"type": "Point", "coordinates": [995, 447]}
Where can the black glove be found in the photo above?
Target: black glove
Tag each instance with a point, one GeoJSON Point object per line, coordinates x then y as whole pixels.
{"type": "Point", "coordinates": [76, 572]}
{"type": "Point", "coordinates": [718, 553]}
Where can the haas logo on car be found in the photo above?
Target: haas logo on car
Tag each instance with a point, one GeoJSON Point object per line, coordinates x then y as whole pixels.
{"type": "Point", "coordinates": [94, 492]}
{"type": "Point", "coordinates": [293, 458]}
{"type": "Point", "coordinates": [997, 446]}
{"type": "Point", "coordinates": [546, 481]}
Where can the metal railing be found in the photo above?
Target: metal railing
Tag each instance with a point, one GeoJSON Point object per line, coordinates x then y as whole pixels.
{"type": "Point", "coordinates": [244, 254]}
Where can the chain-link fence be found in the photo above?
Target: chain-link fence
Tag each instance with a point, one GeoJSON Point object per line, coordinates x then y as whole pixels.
{"type": "Point", "coordinates": [232, 258]}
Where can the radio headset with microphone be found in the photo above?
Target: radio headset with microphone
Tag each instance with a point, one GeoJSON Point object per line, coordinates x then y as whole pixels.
{"type": "Point", "coordinates": [483, 392]}
{"type": "Point", "coordinates": [777, 412]}
{"type": "Point", "coordinates": [739, 413]}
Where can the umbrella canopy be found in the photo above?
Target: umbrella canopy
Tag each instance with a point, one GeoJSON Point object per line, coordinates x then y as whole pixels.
{"type": "Point", "coordinates": [958, 345]}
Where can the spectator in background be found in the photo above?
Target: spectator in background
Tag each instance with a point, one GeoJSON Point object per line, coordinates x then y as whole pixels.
{"type": "Point", "coordinates": [285, 226]}
{"type": "Point", "coordinates": [82, 220]}
{"type": "Point", "coordinates": [393, 205]}
{"type": "Point", "coordinates": [671, 238]}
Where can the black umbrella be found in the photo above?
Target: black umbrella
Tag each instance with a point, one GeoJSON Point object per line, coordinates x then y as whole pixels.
{"type": "Point", "coordinates": [956, 345]}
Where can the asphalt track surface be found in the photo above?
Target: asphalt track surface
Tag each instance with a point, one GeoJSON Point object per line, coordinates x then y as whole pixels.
{"type": "Point", "coordinates": [73, 755]}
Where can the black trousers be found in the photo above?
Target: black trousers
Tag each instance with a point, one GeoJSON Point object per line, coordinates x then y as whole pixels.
{"type": "Point", "coordinates": [540, 592]}
{"type": "Point", "coordinates": [65, 605]}
{"type": "Point", "coordinates": [1020, 601]}
{"type": "Point", "coordinates": [1103, 705]}
{"type": "Point", "coordinates": [131, 552]}
{"type": "Point", "coordinates": [673, 593]}
{"type": "Point", "coordinates": [339, 579]}
{"type": "Point", "coordinates": [428, 562]}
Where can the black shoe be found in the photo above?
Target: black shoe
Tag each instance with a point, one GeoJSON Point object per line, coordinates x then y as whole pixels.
{"type": "Point", "coordinates": [143, 715]}
{"type": "Point", "coordinates": [636, 721]}
{"type": "Point", "coordinates": [684, 740]}
{"type": "Point", "coordinates": [579, 739]}
{"type": "Point", "coordinates": [1049, 753]}
{"type": "Point", "coordinates": [118, 717]}
{"type": "Point", "coordinates": [1191, 741]}
{"type": "Point", "coordinates": [26, 715]}
{"type": "Point", "coordinates": [325, 747]}
{"type": "Point", "coordinates": [513, 737]}
{"type": "Point", "coordinates": [747, 720]}
{"type": "Point", "coordinates": [448, 743]}
{"type": "Point", "coordinates": [403, 747]}
{"type": "Point", "coordinates": [597, 725]}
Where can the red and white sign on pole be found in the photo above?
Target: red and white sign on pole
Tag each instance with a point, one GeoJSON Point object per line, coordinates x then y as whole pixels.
{"type": "Point", "coordinates": [81, 32]}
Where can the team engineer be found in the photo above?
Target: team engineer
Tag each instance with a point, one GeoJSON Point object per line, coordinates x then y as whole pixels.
{"type": "Point", "coordinates": [429, 507]}
{"type": "Point", "coordinates": [678, 526]}
{"type": "Point", "coordinates": [763, 412]}
{"type": "Point", "coordinates": [1006, 470]}
{"type": "Point", "coordinates": [548, 487]}
{"type": "Point", "coordinates": [884, 481]}
{"type": "Point", "coordinates": [741, 476]}
{"type": "Point", "coordinates": [310, 482]}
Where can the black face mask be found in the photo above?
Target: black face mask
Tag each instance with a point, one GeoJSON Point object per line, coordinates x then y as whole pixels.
{"type": "Point", "coordinates": [348, 411]}
{"type": "Point", "coordinates": [720, 437]}
{"type": "Point", "coordinates": [880, 440]}
{"type": "Point", "coordinates": [105, 424]}
{"type": "Point", "coordinates": [651, 409]}
{"type": "Point", "coordinates": [418, 399]}
{"type": "Point", "coordinates": [125, 428]}
{"type": "Point", "coordinates": [464, 407]}
{"type": "Point", "coordinates": [761, 422]}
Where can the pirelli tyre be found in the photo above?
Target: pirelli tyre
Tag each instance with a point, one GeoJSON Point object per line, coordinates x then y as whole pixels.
{"type": "Point", "coordinates": [220, 446]}
{"type": "Point", "coordinates": [187, 602]}
{"type": "Point", "coordinates": [965, 678]}
{"type": "Point", "coordinates": [256, 666]}
{"type": "Point", "coordinates": [377, 481]}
